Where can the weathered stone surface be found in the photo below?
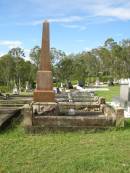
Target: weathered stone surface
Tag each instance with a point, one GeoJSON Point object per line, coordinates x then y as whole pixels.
{"type": "Point", "coordinates": [46, 108]}
{"type": "Point", "coordinates": [45, 62]}
{"type": "Point", "coordinates": [44, 91]}
{"type": "Point", "coordinates": [117, 114]}
{"type": "Point", "coordinates": [44, 96]}
{"type": "Point", "coordinates": [27, 122]}
{"type": "Point", "coordinates": [119, 117]}
{"type": "Point", "coordinates": [102, 100]}
{"type": "Point", "coordinates": [72, 121]}
{"type": "Point", "coordinates": [44, 80]}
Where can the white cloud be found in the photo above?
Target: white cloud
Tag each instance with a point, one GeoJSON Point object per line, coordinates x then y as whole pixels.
{"type": "Point", "coordinates": [108, 8]}
{"type": "Point", "coordinates": [69, 19]}
{"type": "Point", "coordinates": [1, 54]}
{"type": "Point", "coordinates": [120, 13]}
{"type": "Point", "coordinates": [10, 44]}
{"type": "Point", "coordinates": [117, 12]}
{"type": "Point", "coordinates": [119, 9]}
{"type": "Point", "coordinates": [88, 49]}
{"type": "Point", "coordinates": [14, 44]}
{"type": "Point", "coordinates": [80, 27]}
{"type": "Point", "coordinates": [89, 12]}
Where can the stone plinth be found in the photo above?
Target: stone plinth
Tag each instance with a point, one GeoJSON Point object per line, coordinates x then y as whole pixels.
{"type": "Point", "coordinates": [44, 96]}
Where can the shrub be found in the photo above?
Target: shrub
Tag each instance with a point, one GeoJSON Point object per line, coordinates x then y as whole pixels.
{"type": "Point", "coordinates": [105, 78]}
{"type": "Point", "coordinates": [4, 89]}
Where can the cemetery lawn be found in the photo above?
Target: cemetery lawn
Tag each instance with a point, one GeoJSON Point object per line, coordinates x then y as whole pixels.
{"type": "Point", "coordinates": [113, 91]}
{"type": "Point", "coordinates": [78, 152]}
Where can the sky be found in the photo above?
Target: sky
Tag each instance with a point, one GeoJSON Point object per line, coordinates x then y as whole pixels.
{"type": "Point", "coordinates": [75, 25]}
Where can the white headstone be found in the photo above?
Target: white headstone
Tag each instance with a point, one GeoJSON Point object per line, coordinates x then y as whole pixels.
{"type": "Point", "coordinates": [27, 86]}
{"type": "Point", "coordinates": [125, 90]}
{"type": "Point", "coordinates": [15, 90]}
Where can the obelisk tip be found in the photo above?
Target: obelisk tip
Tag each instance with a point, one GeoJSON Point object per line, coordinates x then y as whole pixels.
{"type": "Point", "coordinates": [46, 21]}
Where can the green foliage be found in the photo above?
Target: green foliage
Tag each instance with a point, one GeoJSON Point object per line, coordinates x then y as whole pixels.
{"type": "Point", "coordinates": [16, 52]}
{"type": "Point", "coordinates": [64, 69]}
{"type": "Point", "coordinates": [15, 70]}
{"type": "Point", "coordinates": [35, 55]}
{"type": "Point", "coordinates": [4, 89]}
{"type": "Point", "coordinates": [111, 61]}
{"type": "Point", "coordinates": [56, 55]}
{"type": "Point", "coordinates": [105, 78]}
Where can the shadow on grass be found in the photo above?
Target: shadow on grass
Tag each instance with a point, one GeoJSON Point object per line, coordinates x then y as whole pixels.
{"type": "Point", "coordinates": [127, 124]}
{"type": "Point", "coordinates": [16, 122]}
{"type": "Point", "coordinates": [11, 125]}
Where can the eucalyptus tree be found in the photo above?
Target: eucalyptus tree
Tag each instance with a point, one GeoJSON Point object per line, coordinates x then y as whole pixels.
{"type": "Point", "coordinates": [65, 69]}
{"type": "Point", "coordinates": [35, 55]}
{"type": "Point", "coordinates": [7, 72]}
{"type": "Point", "coordinates": [17, 52]}
{"type": "Point", "coordinates": [55, 54]}
{"type": "Point", "coordinates": [125, 44]}
{"type": "Point", "coordinates": [18, 55]}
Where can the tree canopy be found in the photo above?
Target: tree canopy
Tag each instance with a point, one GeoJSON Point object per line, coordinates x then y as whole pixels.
{"type": "Point", "coordinates": [111, 60]}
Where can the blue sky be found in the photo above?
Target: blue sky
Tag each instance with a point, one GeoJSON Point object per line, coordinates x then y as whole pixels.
{"type": "Point", "coordinates": [75, 25]}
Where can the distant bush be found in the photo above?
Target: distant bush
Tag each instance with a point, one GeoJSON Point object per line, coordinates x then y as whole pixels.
{"type": "Point", "coordinates": [74, 82]}
{"type": "Point", "coordinates": [90, 80]}
{"type": "Point", "coordinates": [105, 78]}
{"type": "Point", "coordinates": [4, 89]}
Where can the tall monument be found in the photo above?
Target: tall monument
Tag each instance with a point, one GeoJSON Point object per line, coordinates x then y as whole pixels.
{"type": "Point", "coordinates": [44, 91]}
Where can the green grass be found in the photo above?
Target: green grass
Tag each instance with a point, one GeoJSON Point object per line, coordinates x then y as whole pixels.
{"type": "Point", "coordinates": [26, 93]}
{"type": "Point", "coordinates": [78, 152]}
{"type": "Point", "coordinates": [113, 91]}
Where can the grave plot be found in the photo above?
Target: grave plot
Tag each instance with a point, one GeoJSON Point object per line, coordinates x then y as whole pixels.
{"type": "Point", "coordinates": [66, 111]}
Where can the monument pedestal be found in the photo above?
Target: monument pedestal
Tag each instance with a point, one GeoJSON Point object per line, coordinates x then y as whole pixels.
{"type": "Point", "coordinates": [44, 96]}
{"type": "Point", "coordinates": [44, 80]}
{"type": "Point", "coordinates": [44, 91]}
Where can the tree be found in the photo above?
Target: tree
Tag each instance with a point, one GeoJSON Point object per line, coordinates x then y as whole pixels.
{"type": "Point", "coordinates": [56, 55]}
{"type": "Point", "coordinates": [85, 66]}
{"type": "Point", "coordinates": [35, 55]}
{"type": "Point", "coordinates": [64, 69]}
{"type": "Point", "coordinates": [17, 52]}
{"type": "Point", "coordinates": [7, 73]}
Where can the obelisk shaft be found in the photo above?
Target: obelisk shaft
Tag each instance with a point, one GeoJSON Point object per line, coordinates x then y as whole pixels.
{"type": "Point", "coordinates": [44, 91]}
{"type": "Point", "coordinates": [45, 63]}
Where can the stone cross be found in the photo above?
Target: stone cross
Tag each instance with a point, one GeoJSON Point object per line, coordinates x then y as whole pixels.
{"type": "Point", "coordinates": [44, 91]}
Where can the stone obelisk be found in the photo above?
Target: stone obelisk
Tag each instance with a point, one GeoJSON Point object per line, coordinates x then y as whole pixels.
{"type": "Point", "coordinates": [44, 91]}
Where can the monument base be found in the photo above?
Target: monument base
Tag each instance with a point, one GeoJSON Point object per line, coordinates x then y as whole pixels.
{"type": "Point", "coordinates": [41, 124]}
{"type": "Point", "coordinates": [44, 96]}
{"type": "Point", "coordinates": [42, 117]}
